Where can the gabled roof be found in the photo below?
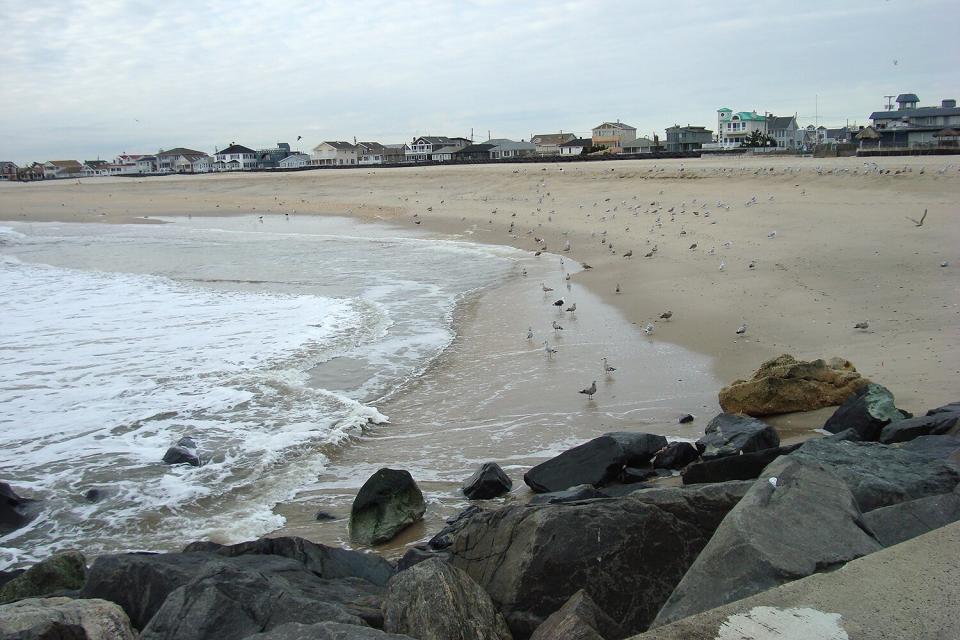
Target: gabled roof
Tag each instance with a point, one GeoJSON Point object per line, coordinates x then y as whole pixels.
{"type": "Point", "coordinates": [506, 143]}
{"type": "Point", "coordinates": [339, 145]}
{"type": "Point", "coordinates": [94, 163]}
{"type": "Point", "coordinates": [552, 138]}
{"type": "Point", "coordinates": [7, 163]}
{"type": "Point", "coordinates": [777, 122]}
{"type": "Point", "coordinates": [399, 146]}
{"type": "Point", "coordinates": [578, 142]}
{"type": "Point", "coordinates": [374, 147]}
{"type": "Point", "coordinates": [475, 148]}
{"type": "Point", "coordinates": [181, 151]}
{"type": "Point", "coordinates": [236, 148]}
{"type": "Point", "coordinates": [639, 142]}
{"type": "Point", "coordinates": [614, 125]}
{"type": "Point", "coordinates": [447, 149]}
{"type": "Point", "coordinates": [65, 164]}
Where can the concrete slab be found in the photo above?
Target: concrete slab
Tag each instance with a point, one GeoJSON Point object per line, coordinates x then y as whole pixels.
{"type": "Point", "coordinates": [910, 590]}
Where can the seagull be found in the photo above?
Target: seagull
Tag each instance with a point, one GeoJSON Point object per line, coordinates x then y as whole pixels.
{"type": "Point", "coordinates": [722, 265]}
{"type": "Point", "coordinates": [862, 325]}
{"type": "Point", "coordinates": [549, 350]}
{"type": "Point", "coordinates": [693, 246]}
{"type": "Point", "coordinates": [529, 333]}
{"type": "Point", "coordinates": [558, 303]}
{"type": "Point", "coordinates": [545, 288]}
{"type": "Point", "coordinates": [556, 327]}
{"type": "Point", "coordinates": [752, 265]}
{"type": "Point", "coordinates": [648, 329]}
{"type": "Point", "coordinates": [919, 222]}
{"type": "Point", "coordinates": [618, 287]}
{"type": "Point", "coordinates": [586, 266]}
{"type": "Point", "coordinates": [628, 254]}
{"type": "Point", "coordinates": [571, 308]}
{"type": "Point", "coordinates": [742, 329]}
{"type": "Point", "coordinates": [666, 315]}
{"type": "Point", "coordinates": [772, 234]}
{"type": "Point", "coordinates": [589, 391]}
{"type": "Point", "coordinates": [566, 246]}
{"type": "Point", "coordinates": [607, 368]}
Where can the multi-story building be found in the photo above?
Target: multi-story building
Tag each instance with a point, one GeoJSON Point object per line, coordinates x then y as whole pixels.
{"type": "Point", "coordinates": [785, 131]}
{"type": "Point", "coordinates": [236, 157]}
{"type": "Point", "coordinates": [334, 154]}
{"type": "Point", "coordinates": [422, 148]}
{"type": "Point", "coordinates": [371, 153]}
{"type": "Point", "coordinates": [613, 135]}
{"type": "Point", "coordinates": [910, 125]}
{"type": "Point", "coordinates": [734, 128]}
{"type": "Point", "coordinates": [270, 158]}
{"type": "Point", "coordinates": [8, 170]}
{"type": "Point", "coordinates": [178, 160]}
{"type": "Point", "coordinates": [687, 138]}
{"type": "Point", "coordinates": [62, 169]}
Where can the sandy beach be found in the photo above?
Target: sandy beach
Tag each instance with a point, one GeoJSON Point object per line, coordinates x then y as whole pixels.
{"type": "Point", "coordinates": [844, 250]}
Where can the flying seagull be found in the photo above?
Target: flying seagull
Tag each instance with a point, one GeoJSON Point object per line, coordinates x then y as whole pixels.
{"type": "Point", "coordinates": [589, 391]}
{"type": "Point", "coordinates": [919, 222]}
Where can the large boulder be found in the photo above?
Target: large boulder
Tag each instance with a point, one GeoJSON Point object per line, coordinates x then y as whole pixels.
{"type": "Point", "coordinates": [184, 452]}
{"type": "Point", "coordinates": [785, 384]}
{"type": "Point", "coordinates": [628, 552]}
{"type": "Point", "coordinates": [324, 631]}
{"type": "Point", "coordinates": [436, 601]}
{"type": "Point", "coordinates": [573, 494]}
{"type": "Point", "coordinates": [797, 519]}
{"type": "Point", "coordinates": [932, 425]}
{"type": "Point", "coordinates": [745, 466]}
{"type": "Point", "coordinates": [900, 522]}
{"type": "Point", "coordinates": [728, 435]}
{"type": "Point", "coordinates": [952, 407]}
{"type": "Point", "coordinates": [387, 503]}
{"type": "Point", "coordinates": [64, 619]}
{"type": "Point", "coordinates": [488, 482]}
{"type": "Point", "coordinates": [935, 447]}
{"type": "Point", "coordinates": [324, 561]}
{"type": "Point", "coordinates": [675, 455]}
{"type": "Point", "coordinates": [63, 571]}
{"type": "Point", "coordinates": [233, 598]}
{"type": "Point", "coordinates": [15, 510]}
{"type": "Point", "coordinates": [578, 619]}
{"type": "Point", "coordinates": [881, 475]}
{"type": "Point", "coordinates": [867, 412]}
{"type": "Point", "coordinates": [595, 462]}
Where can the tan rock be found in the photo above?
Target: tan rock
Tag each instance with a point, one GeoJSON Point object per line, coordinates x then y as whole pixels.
{"type": "Point", "coordinates": [64, 617]}
{"type": "Point", "coordinates": [785, 384]}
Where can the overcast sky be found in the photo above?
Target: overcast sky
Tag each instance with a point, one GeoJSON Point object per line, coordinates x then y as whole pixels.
{"type": "Point", "coordinates": [82, 79]}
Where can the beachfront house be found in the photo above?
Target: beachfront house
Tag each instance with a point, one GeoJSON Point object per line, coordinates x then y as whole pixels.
{"type": "Point", "coordinates": [270, 158]}
{"type": "Point", "coordinates": [199, 164]}
{"type": "Point", "coordinates": [395, 153]}
{"type": "Point", "coordinates": [687, 138]}
{"type": "Point", "coordinates": [62, 169]}
{"type": "Point", "coordinates": [785, 131]}
{"type": "Point", "coordinates": [295, 161]}
{"type": "Point", "coordinates": [371, 153]}
{"type": "Point", "coordinates": [575, 147]}
{"type": "Point", "coordinates": [734, 128]}
{"type": "Point", "coordinates": [421, 149]}
{"type": "Point", "coordinates": [474, 152]}
{"type": "Point", "coordinates": [8, 170]}
{"type": "Point", "coordinates": [910, 125]}
{"type": "Point", "coordinates": [93, 168]}
{"type": "Point", "coordinates": [504, 148]}
{"type": "Point", "coordinates": [177, 160]}
{"type": "Point", "coordinates": [236, 157]}
{"type": "Point", "coordinates": [613, 135]}
{"type": "Point", "coordinates": [333, 153]}
{"type": "Point", "coordinates": [638, 145]}
{"type": "Point", "coordinates": [444, 154]}
{"type": "Point", "coordinates": [548, 144]}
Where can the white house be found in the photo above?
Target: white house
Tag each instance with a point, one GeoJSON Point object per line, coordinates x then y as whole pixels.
{"type": "Point", "coordinates": [92, 168]}
{"type": "Point", "coordinates": [575, 147]}
{"type": "Point", "coordinates": [444, 154]}
{"type": "Point", "coordinates": [504, 148]}
{"type": "Point", "coordinates": [548, 144]}
{"type": "Point", "coordinates": [236, 157]}
{"type": "Point", "coordinates": [613, 135]}
{"type": "Point", "coordinates": [199, 164]}
{"type": "Point", "coordinates": [785, 131]}
{"type": "Point", "coordinates": [371, 153]}
{"type": "Point", "coordinates": [333, 153]}
{"type": "Point", "coordinates": [295, 161]}
{"type": "Point", "coordinates": [62, 169]}
{"type": "Point", "coordinates": [734, 128]}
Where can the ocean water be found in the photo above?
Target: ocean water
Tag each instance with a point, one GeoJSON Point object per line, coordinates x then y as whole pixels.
{"type": "Point", "coordinates": [271, 343]}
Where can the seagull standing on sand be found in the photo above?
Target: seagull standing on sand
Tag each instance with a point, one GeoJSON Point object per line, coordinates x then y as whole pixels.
{"type": "Point", "coordinates": [556, 327]}
{"type": "Point", "coordinates": [742, 329]}
{"type": "Point", "coordinates": [545, 288]}
{"type": "Point", "coordinates": [548, 349]}
{"type": "Point", "coordinates": [589, 391]}
{"type": "Point", "coordinates": [607, 368]}
{"type": "Point", "coordinates": [571, 308]}
{"type": "Point", "coordinates": [558, 303]}
{"type": "Point", "coordinates": [862, 325]}
{"type": "Point", "coordinates": [648, 329]}
{"type": "Point", "coordinates": [529, 333]}
{"type": "Point", "coordinates": [666, 315]}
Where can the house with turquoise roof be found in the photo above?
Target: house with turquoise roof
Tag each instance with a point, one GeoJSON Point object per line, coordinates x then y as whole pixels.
{"type": "Point", "coordinates": [734, 127]}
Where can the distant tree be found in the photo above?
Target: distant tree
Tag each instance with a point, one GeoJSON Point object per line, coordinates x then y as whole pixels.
{"type": "Point", "coordinates": [758, 138]}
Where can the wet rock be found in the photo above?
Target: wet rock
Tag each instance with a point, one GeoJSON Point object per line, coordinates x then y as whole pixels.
{"type": "Point", "coordinates": [686, 418]}
{"type": "Point", "coordinates": [745, 466]}
{"type": "Point", "coordinates": [573, 494]}
{"type": "Point", "coordinates": [7, 576]}
{"type": "Point", "coordinates": [578, 619]}
{"type": "Point", "coordinates": [946, 447]}
{"type": "Point", "coordinates": [931, 425]}
{"type": "Point", "coordinates": [184, 452]}
{"type": "Point", "coordinates": [633, 475]}
{"type": "Point", "coordinates": [797, 519]}
{"type": "Point", "coordinates": [729, 434]}
{"type": "Point", "coordinates": [64, 619]}
{"type": "Point", "coordinates": [416, 555]}
{"type": "Point", "coordinates": [488, 482]}
{"type": "Point", "coordinates": [900, 522]}
{"type": "Point", "coordinates": [323, 516]}
{"type": "Point", "coordinates": [785, 384]}
{"type": "Point", "coordinates": [60, 572]}
{"type": "Point", "coordinates": [15, 510]}
{"type": "Point", "coordinates": [436, 601]}
{"type": "Point", "coordinates": [628, 552]}
{"type": "Point", "coordinates": [325, 631]}
{"type": "Point", "coordinates": [676, 455]}
{"type": "Point", "coordinates": [867, 412]}
{"type": "Point", "coordinates": [442, 539]}
{"type": "Point", "coordinates": [596, 462]}
{"type": "Point", "coordinates": [387, 503]}
{"type": "Point", "coordinates": [952, 407]}
{"type": "Point", "coordinates": [880, 475]}
{"type": "Point", "coordinates": [93, 495]}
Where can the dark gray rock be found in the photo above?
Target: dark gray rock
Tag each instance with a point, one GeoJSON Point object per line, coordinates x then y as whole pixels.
{"type": "Point", "coordinates": [609, 491]}
{"type": "Point", "coordinates": [847, 435]}
{"type": "Point", "coordinates": [633, 475]}
{"type": "Point", "coordinates": [488, 482]}
{"type": "Point", "coordinates": [745, 466]}
{"type": "Point", "coordinates": [729, 434]}
{"type": "Point", "coordinates": [325, 631]}
{"type": "Point", "coordinates": [900, 522]}
{"type": "Point", "coordinates": [686, 418]}
{"type": "Point", "coordinates": [323, 516]}
{"type": "Point", "coordinates": [952, 407]}
{"type": "Point", "coordinates": [15, 511]}
{"type": "Point", "coordinates": [628, 553]}
{"type": "Point", "coordinates": [867, 412]}
{"type": "Point", "coordinates": [387, 503]}
{"type": "Point", "coordinates": [60, 572]}
{"type": "Point", "coordinates": [596, 462]}
{"type": "Point", "coordinates": [436, 601]}
{"type": "Point", "coordinates": [932, 425]}
{"type": "Point", "coordinates": [935, 447]}
{"type": "Point", "coordinates": [675, 455]}
{"type": "Point", "coordinates": [7, 576]}
{"type": "Point", "coordinates": [573, 494]}
{"type": "Point", "coordinates": [230, 601]}
{"type": "Point", "coordinates": [578, 619]}
{"type": "Point", "coordinates": [880, 475]}
{"type": "Point", "coordinates": [184, 452]}
{"type": "Point", "coordinates": [50, 630]}
{"type": "Point", "coordinates": [808, 522]}
{"type": "Point", "coordinates": [442, 539]}
{"type": "Point", "coordinates": [418, 554]}
{"type": "Point", "coordinates": [324, 561]}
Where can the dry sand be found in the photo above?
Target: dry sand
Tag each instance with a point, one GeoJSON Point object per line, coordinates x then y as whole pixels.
{"type": "Point", "coordinates": [844, 250]}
